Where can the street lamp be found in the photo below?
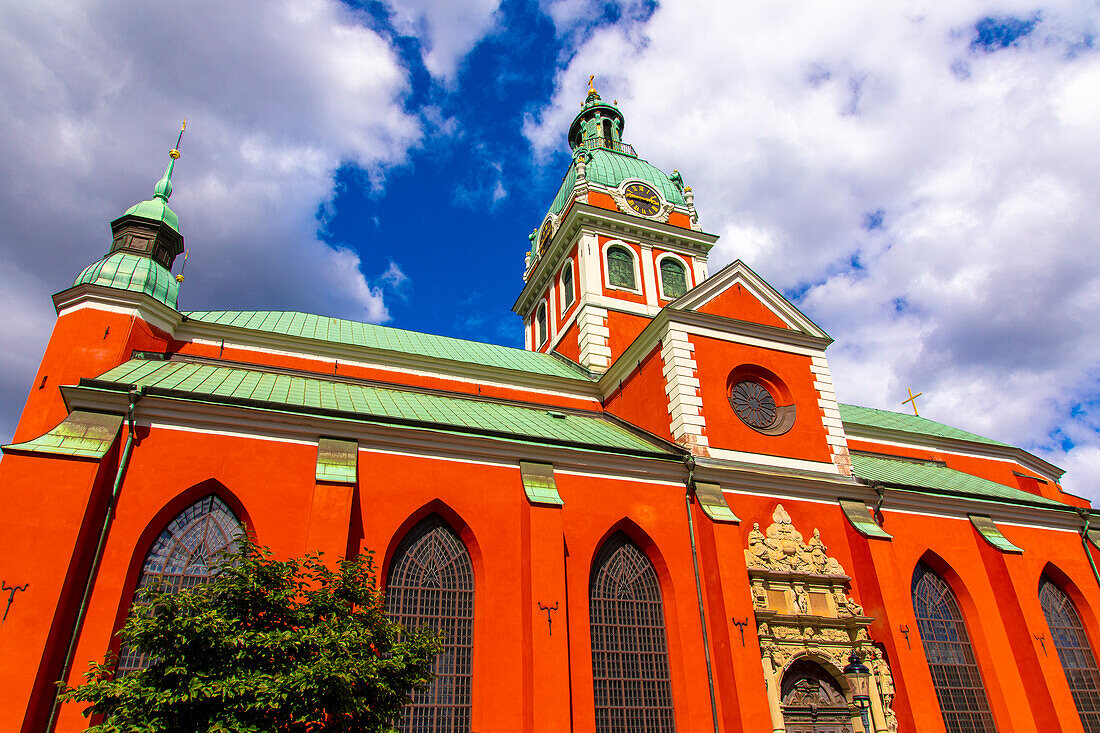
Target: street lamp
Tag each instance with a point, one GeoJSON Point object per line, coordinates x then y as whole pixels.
{"type": "Point", "coordinates": [859, 680]}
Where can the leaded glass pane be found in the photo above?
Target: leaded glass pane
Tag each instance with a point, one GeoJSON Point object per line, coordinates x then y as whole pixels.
{"type": "Point", "coordinates": [620, 268]}
{"type": "Point", "coordinates": [431, 583]}
{"type": "Point", "coordinates": [183, 555]}
{"type": "Point", "coordinates": [1074, 652]}
{"type": "Point", "coordinates": [673, 278]}
{"type": "Point", "coordinates": [633, 691]}
{"type": "Point", "coordinates": [567, 286]}
{"type": "Point", "coordinates": [951, 660]}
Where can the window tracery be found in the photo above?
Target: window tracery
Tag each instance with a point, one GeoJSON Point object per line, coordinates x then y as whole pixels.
{"type": "Point", "coordinates": [1074, 652]}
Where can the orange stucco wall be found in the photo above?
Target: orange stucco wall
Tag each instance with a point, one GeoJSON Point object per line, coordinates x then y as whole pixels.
{"type": "Point", "coordinates": [639, 398]}
{"type": "Point", "coordinates": [738, 303]}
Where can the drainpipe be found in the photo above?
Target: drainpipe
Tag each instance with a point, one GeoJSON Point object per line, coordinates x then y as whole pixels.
{"type": "Point", "coordinates": [134, 396]}
{"type": "Point", "coordinates": [689, 461]}
{"type": "Point", "coordinates": [1085, 545]}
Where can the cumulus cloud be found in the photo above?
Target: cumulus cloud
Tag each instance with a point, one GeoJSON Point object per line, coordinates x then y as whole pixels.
{"type": "Point", "coordinates": [447, 29]}
{"type": "Point", "coordinates": [278, 96]}
{"type": "Point", "coordinates": [920, 177]}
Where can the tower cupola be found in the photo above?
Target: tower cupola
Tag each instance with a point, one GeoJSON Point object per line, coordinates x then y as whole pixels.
{"type": "Point", "coordinates": [598, 125]}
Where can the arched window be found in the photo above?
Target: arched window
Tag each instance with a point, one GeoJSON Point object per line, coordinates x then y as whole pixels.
{"type": "Point", "coordinates": [951, 660]}
{"type": "Point", "coordinates": [620, 268]}
{"type": "Point", "coordinates": [629, 655]}
{"type": "Point", "coordinates": [431, 583]}
{"type": "Point", "coordinates": [540, 325]}
{"type": "Point", "coordinates": [566, 286]}
{"type": "Point", "coordinates": [673, 278]}
{"type": "Point", "coordinates": [608, 140]}
{"type": "Point", "coordinates": [183, 554]}
{"type": "Point", "coordinates": [1074, 652]}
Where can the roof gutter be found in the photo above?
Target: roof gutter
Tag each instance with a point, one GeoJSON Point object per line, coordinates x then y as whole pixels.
{"type": "Point", "coordinates": [78, 622]}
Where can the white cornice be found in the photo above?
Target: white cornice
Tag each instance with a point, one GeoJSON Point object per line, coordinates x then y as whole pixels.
{"type": "Point", "coordinates": [114, 300]}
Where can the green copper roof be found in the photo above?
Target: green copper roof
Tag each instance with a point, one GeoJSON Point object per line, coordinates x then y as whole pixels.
{"type": "Point", "coordinates": [266, 390]}
{"type": "Point", "coordinates": [940, 479]}
{"type": "Point", "coordinates": [82, 434]}
{"type": "Point", "coordinates": [871, 417]}
{"type": "Point", "coordinates": [354, 333]}
{"type": "Point", "coordinates": [156, 208]}
{"type": "Point", "coordinates": [860, 517]}
{"type": "Point", "coordinates": [132, 272]}
{"type": "Point", "coordinates": [610, 168]}
{"type": "Point", "coordinates": [992, 534]}
{"type": "Point", "coordinates": [337, 460]}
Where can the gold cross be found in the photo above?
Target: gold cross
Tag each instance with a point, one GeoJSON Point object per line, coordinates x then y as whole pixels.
{"type": "Point", "coordinates": [913, 399]}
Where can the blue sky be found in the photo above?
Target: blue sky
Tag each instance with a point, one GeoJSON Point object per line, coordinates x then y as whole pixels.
{"type": "Point", "coordinates": [918, 178]}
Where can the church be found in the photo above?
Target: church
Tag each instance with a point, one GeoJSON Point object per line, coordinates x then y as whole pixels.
{"type": "Point", "coordinates": [656, 517]}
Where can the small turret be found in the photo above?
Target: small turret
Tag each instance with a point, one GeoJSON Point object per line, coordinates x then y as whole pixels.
{"type": "Point", "coordinates": [145, 242]}
{"type": "Point", "coordinates": [598, 125]}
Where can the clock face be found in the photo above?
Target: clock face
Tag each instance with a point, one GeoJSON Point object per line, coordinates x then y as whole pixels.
{"type": "Point", "coordinates": [545, 236]}
{"type": "Point", "coordinates": [642, 199]}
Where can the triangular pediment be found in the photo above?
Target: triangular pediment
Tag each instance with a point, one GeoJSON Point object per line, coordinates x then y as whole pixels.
{"type": "Point", "coordinates": [737, 292]}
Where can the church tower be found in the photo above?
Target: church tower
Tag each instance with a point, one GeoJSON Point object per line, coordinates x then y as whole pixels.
{"type": "Point", "coordinates": [621, 240]}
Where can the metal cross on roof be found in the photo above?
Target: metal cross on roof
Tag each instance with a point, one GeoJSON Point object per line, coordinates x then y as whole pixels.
{"type": "Point", "coordinates": [913, 400]}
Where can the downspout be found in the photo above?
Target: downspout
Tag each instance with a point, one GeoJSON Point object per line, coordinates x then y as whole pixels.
{"type": "Point", "coordinates": [134, 396]}
{"type": "Point", "coordinates": [689, 461]}
{"type": "Point", "coordinates": [1085, 544]}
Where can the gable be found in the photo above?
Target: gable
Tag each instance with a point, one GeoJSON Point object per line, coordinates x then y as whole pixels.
{"type": "Point", "coordinates": [738, 293]}
{"type": "Point", "coordinates": [737, 302]}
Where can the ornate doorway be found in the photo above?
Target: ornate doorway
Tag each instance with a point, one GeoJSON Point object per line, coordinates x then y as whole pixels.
{"type": "Point", "coordinates": [813, 701]}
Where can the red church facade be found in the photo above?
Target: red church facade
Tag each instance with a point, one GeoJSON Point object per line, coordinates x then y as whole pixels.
{"type": "Point", "coordinates": [656, 517]}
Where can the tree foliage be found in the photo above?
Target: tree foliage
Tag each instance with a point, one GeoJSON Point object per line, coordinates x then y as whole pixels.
{"type": "Point", "coordinates": [269, 645]}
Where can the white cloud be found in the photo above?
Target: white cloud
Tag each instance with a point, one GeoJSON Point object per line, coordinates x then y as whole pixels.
{"type": "Point", "coordinates": [277, 95]}
{"type": "Point", "coordinates": [447, 29]}
{"type": "Point", "coordinates": [793, 122]}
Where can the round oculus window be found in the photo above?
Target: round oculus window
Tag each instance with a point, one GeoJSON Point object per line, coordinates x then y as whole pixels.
{"type": "Point", "coordinates": [754, 404]}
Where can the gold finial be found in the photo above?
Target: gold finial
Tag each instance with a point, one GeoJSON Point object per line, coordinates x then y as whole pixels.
{"type": "Point", "coordinates": [179, 277]}
{"type": "Point", "coordinates": [913, 399]}
{"type": "Point", "coordinates": [174, 153]}
{"type": "Point", "coordinates": [591, 89]}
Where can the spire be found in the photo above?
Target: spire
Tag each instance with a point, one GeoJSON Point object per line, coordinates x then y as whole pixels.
{"type": "Point", "coordinates": [163, 189]}
{"type": "Point", "coordinates": [157, 208]}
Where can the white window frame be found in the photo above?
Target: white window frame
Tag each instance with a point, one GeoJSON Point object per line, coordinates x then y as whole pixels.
{"type": "Point", "coordinates": [541, 339]}
{"type": "Point", "coordinates": [637, 290]}
{"type": "Point", "coordinates": [689, 276]}
{"type": "Point", "coordinates": [561, 287]}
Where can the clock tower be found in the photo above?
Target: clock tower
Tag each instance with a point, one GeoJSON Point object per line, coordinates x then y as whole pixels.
{"type": "Point", "coordinates": [620, 241]}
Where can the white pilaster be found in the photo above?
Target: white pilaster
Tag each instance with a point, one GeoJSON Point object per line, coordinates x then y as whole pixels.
{"type": "Point", "coordinates": [685, 407]}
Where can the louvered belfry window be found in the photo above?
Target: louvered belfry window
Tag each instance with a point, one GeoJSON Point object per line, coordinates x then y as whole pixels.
{"type": "Point", "coordinates": [951, 660]}
{"type": "Point", "coordinates": [620, 268]}
{"type": "Point", "coordinates": [567, 286]}
{"type": "Point", "coordinates": [540, 325]}
{"type": "Point", "coordinates": [1074, 652]}
{"type": "Point", "coordinates": [629, 655]}
{"type": "Point", "coordinates": [673, 278]}
{"type": "Point", "coordinates": [431, 583]}
{"type": "Point", "coordinates": [182, 557]}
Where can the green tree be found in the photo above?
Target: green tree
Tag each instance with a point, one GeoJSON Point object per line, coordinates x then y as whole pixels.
{"type": "Point", "coordinates": [269, 645]}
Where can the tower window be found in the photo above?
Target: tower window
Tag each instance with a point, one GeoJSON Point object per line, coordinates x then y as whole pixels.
{"type": "Point", "coordinates": [540, 325]}
{"type": "Point", "coordinates": [431, 583]}
{"type": "Point", "coordinates": [951, 660]}
{"type": "Point", "coordinates": [673, 278]}
{"type": "Point", "coordinates": [566, 287]}
{"type": "Point", "coordinates": [1074, 652]}
{"type": "Point", "coordinates": [620, 268]}
{"type": "Point", "coordinates": [633, 691]}
{"type": "Point", "coordinates": [607, 133]}
{"type": "Point", "coordinates": [182, 557]}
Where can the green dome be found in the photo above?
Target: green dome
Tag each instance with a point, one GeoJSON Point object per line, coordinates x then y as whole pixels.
{"type": "Point", "coordinates": [610, 168]}
{"type": "Point", "coordinates": [156, 208]}
{"type": "Point", "coordinates": [131, 272]}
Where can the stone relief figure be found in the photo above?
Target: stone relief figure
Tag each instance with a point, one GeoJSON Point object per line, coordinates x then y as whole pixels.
{"type": "Point", "coordinates": [782, 548]}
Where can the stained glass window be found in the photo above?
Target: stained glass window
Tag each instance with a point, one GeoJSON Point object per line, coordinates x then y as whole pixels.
{"type": "Point", "coordinates": [540, 325]}
{"type": "Point", "coordinates": [431, 583]}
{"type": "Point", "coordinates": [951, 660]}
{"type": "Point", "coordinates": [182, 557]}
{"type": "Point", "coordinates": [620, 268]}
{"type": "Point", "coordinates": [673, 278]}
{"type": "Point", "coordinates": [629, 655]}
{"type": "Point", "coordinates": [567, 286]}
{"type": "Point", "coordinates": [1074, 652]}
